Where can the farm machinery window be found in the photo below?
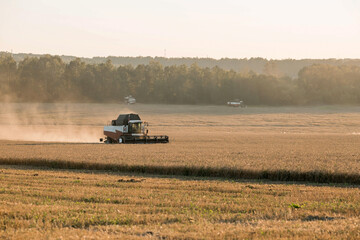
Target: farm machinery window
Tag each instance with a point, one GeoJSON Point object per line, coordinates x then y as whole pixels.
{"type": "Point", "coordinates": [136, 127]}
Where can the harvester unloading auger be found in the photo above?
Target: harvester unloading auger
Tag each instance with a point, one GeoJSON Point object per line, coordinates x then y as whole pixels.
{"type": "Point", "coordinates": [128, 128]}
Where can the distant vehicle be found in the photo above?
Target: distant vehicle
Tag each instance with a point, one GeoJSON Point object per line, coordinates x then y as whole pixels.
{"type": "Point", "coordinates": [236, 103]}
{"type": "Point", "coordinates": [129, 100]}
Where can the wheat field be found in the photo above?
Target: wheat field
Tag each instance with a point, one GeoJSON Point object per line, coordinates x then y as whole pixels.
{"type": "Point", "coordinates": [48, 204]}
{"type": "Point", "coordinates": [307, 141]}
{"type": "Point", "coordinates": [226, 173]}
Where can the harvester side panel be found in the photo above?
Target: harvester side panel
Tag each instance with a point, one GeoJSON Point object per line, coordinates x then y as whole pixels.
{"type": "Point", "coordinates": [114, 132]}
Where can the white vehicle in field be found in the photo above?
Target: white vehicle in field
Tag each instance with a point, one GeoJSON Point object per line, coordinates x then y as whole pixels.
{"type": "Point", "coordinates": [129, 100]}
{"type": "Point", "coordinates": [236, 103]}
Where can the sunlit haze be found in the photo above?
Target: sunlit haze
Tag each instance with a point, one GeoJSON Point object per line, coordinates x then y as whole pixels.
{"type": "Point", "coordinates": [236, 29]}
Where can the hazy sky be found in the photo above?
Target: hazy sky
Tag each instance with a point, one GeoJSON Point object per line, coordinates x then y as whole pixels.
{"type": "Point", "coordinates": [196, 28]}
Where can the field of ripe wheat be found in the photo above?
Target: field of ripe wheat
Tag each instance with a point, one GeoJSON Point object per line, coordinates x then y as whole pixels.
{"type": "Point", "coordinates": [318, 144]}
{"type": "Point", "coordinates": [59, 204]}
{"type": "Point", "coordinates": [226, 173]}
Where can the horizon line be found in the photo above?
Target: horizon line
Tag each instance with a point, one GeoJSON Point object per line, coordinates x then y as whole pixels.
{"type": "Point", "coordinates": [182, 57]}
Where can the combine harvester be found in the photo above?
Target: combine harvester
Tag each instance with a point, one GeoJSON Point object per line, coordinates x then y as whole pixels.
{"type": "Point", "coordinates": [128, 128]}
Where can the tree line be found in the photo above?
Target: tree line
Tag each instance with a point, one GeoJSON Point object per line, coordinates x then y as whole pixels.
{"type": "Point", "coordinates": [49, 79]}
{"type": "Point", "coordinates": [282, 67]}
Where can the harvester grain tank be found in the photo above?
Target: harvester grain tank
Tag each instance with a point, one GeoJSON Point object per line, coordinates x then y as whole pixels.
{"type": "Point", "coordinates": [129, 128]}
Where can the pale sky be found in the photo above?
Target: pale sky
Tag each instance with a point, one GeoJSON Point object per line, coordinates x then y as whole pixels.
{"type": "Point", "coordinates": [276, 29]}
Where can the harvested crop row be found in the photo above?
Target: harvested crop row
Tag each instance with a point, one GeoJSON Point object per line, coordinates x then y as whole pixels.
{"type": "Point", "coordinates": [194, 171]}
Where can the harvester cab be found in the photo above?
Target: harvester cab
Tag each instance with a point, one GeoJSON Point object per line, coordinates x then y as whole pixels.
{"type": "Point", "coordinates": [129, 128]}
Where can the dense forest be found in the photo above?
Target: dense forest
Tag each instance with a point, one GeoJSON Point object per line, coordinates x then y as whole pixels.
{"type": "Point", "coordinates": [285, 67]}
{"type": "Point", "coordinates": [50, 79]}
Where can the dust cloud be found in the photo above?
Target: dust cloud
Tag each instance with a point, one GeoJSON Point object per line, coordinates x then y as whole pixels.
{"type": "Point", "coordinates": [78, 123]}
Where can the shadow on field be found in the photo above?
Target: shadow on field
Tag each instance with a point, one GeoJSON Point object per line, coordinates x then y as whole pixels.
{"type": "Point", "coordinates": [194, 171]}
{"type": "Point", "coordinates": [140, 177]}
